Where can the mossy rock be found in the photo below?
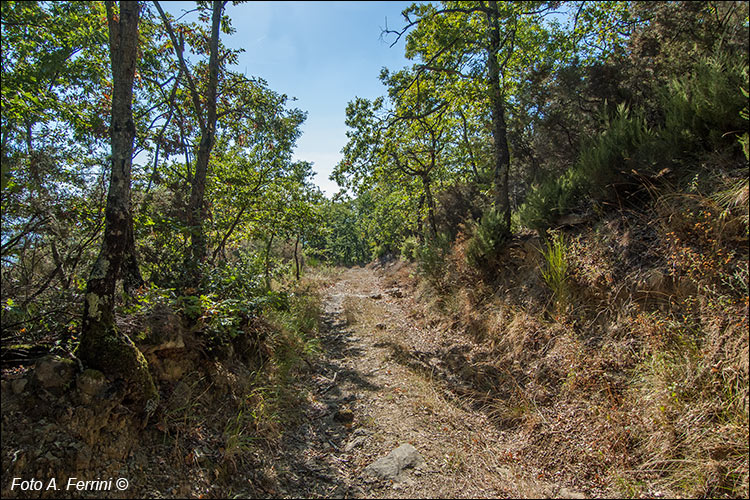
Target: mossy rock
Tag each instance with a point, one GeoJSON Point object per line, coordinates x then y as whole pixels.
{"type": "Point", "coordinates": [163, 330]}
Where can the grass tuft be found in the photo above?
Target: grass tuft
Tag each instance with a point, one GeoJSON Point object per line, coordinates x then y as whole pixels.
{"type": "Point", "coordinates": [555, 273]}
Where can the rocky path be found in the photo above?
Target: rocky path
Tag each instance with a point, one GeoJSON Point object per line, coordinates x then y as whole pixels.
{"type": "Point", "coordinates": [377, 426]}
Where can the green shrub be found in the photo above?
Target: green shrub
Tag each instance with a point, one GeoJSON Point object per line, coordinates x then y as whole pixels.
{"type": "Point", "coordinates": [703, 111]}
{"type": "Point", "coordinates": [240, 278]}
{"type": "Point", "coordinates": [744, 139]}
{"type": "Point", "coordinates": [625, 145]}
{"type": "Point", "coordinates": [703, 107]}
{"type": "Point", "coordinates": [313, 262]}
{"type": "Point", "coordinates": [431, 260]}
{"type": "Point", "coordinates": [552, 198]}
{"type": "Point", "coordinates": [381, 250]}
{"type": "Point", "coordinates": [409, 248]}
{"type": "Point", "coordinates": [487, 240]}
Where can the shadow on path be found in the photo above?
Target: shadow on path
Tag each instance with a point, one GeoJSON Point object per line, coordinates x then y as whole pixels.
{"type": "Point", "coordinates": [313, 462]}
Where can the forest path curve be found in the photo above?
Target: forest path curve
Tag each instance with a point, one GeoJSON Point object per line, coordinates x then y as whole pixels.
{"type": "Point", "coordinates": [366, 398]}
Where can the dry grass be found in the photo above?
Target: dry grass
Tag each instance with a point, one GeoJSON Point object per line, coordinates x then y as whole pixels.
{"type": "Point", "coordinates": [640, 387]}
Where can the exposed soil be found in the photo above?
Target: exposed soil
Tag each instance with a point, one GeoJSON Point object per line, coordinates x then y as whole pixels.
{"type": "Point", "coordinates": [384, 376]}
{"type": "Point", "coordinates": [381, 381]}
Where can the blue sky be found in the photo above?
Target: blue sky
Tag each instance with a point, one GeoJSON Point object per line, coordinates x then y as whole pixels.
{"type": "Point", "coordinates": [322, 53]}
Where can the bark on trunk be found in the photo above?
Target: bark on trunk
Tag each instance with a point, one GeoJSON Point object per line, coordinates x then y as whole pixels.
{"type": "Point", "coordinates": [296, 259]}
{"type": "Point", "coordinates": [102, 346]}
{"type": "Point", "coordinates": [430, 207]}
{"type": "Point", "coordinates": [501, 152]}
{"type": "Point", "coordinates": [131, 272]}
{"type": "Point", "coordinates": [222, 245]}
{"type": "Point", "coordinates": [268, 261]}
{"type": "Point", "coordinates": [197, 208]}
{"type": "Point", "coordinates": [420, 231]}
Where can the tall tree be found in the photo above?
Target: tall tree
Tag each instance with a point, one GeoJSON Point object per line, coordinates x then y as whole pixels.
{"type": "Point", "coordinates": [205, 110]}
{"type": "Point", "coordinates": [102, 346]}
{"type": "Point", "coordinates": [253, 152]}
{"type": "Point", "coordinates": [403, 145]}
{"type": "Point", "coordinates": [491, 45]}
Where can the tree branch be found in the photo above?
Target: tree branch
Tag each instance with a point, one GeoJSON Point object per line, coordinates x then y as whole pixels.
{"type": "Point", "coordinates": [178, 49]}
{"type": "Point", "coordinates": [161, 132]}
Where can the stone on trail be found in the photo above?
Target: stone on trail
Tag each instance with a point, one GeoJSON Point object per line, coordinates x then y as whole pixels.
{"type": "Point", "coordinates": [344, 415]}
{"type": "Point", "coordinates": [391, 465]}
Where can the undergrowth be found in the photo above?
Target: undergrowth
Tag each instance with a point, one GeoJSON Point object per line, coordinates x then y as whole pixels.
{"type": "Point", "coordinates": [704, 110]}
{"type": "Point", "coordinates": [637, 381]}
{"type": "Point", "coordinates": [242, 391]}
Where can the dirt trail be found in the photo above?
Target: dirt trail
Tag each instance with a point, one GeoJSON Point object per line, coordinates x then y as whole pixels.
{"type": "Point", "coordinates": [367, 398]}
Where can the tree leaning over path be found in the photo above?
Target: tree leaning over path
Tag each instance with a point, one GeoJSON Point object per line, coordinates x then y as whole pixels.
{"type": "Point", "coordinates": [103, 346]}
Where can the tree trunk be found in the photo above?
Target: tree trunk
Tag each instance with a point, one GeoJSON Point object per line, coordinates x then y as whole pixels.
{"type": "Point", "coordinates": [131, 273]}
{"type": "Point", "coordinates": [420, 231]}
{"type": "Point", "coordinates": [229, 232]}
{"type": "Point", "coordinates": [197, 207]}
{"type": "Point", "coordinates": [430, 207]}
{"type": "Point", "coordinates": [296, 259]}
{"type": "Point", "coordinates": [102, 346]}
{"type": "Point", "coordinates": [501, 152]}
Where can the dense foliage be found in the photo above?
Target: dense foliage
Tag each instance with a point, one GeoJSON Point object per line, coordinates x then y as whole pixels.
{"type": "Point", "coordinates": [597, 98]}
{"type": "Point", "coordinates": [229, 235]}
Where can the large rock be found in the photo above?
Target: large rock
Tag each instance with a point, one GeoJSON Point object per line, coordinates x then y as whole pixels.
{"type": "Point", "coordinates": [164, 330]}
{"type": "Point", "coordinates": [54, 373]}
{"type": "Point", "coordinates": [165, 342]}
{"type": "Point", "coordinates": [391, 465]}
